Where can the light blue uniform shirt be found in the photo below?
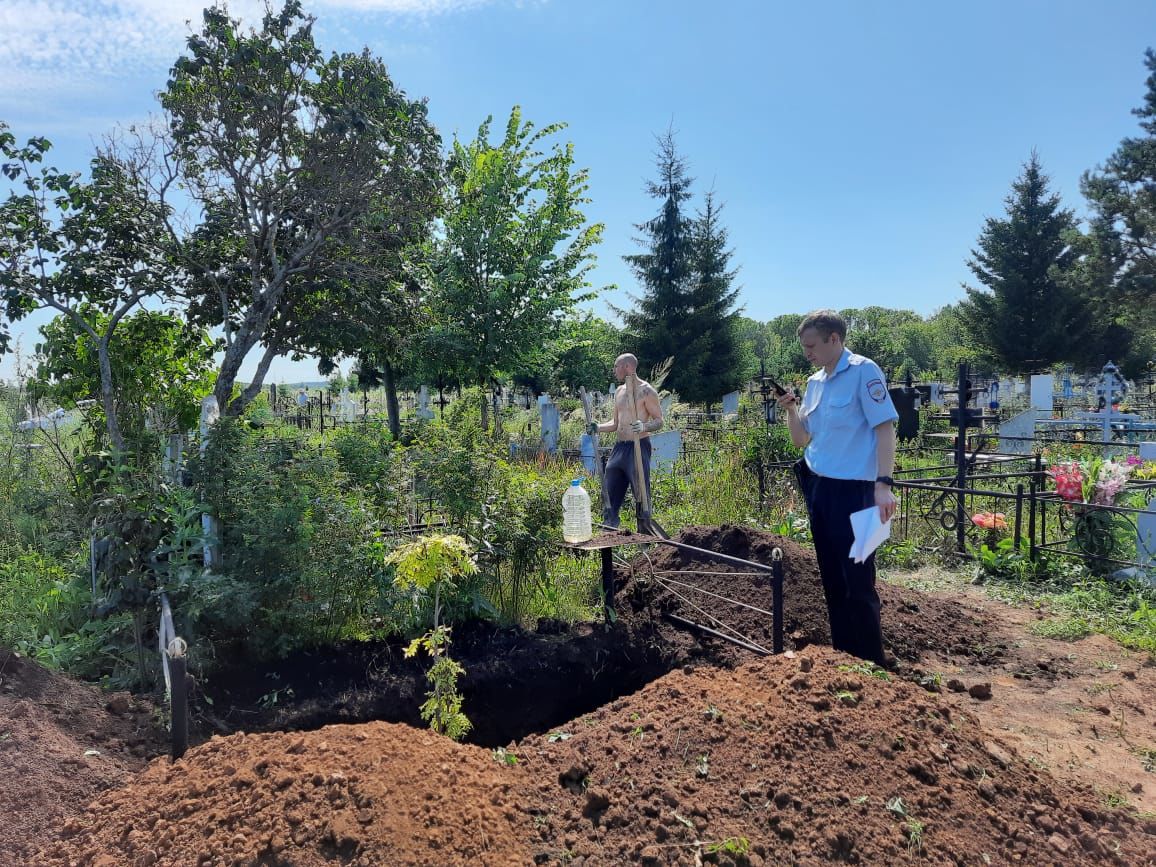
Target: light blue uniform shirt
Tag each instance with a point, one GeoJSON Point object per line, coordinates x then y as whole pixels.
{"type": "Point", "coordinates": [840, 413]}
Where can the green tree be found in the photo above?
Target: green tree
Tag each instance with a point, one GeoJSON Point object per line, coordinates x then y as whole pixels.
{"type": "Point", "coordinates": [950, 342]}
{"type": "Point", "coordinates": [281, 151]}
{"type": "Point", "coordinates": [1027, 318]}
{"type": "Point", "coordinates": [1119, 274]}
{"type": "Point", "coordinates": [435, 562]}
{"type": "Point", "coordinates": [893, 339]}
{"type": "Point", "coordinates": [516, 250]}
{"type": "Point", "coordinates": [786, 358]}
{"type": "Point", "coordinates": [660, 325]}
{"type": "Point", "coordinates": [586, 353]}
{"type": "Point", "coordinates": [161, 368]}
{"type": "Point", "coordinates": [721, 365]}
{"type": "Point", "coordinates": [90, 250]}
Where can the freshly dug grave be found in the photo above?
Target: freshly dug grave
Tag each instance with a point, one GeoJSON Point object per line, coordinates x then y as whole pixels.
{"type": "Point", "coordinates": [805, 760]}
{"type": "Point", "coordinates": [364, 796]}
{"type": "Point", "coordinates": [518, 683]}
{"type": "Point", "coordinates": [61, 742]}
{"type": "Point", "coordinates": [914, 624]}
{"type": "Point", "coordinates": [809, 760]}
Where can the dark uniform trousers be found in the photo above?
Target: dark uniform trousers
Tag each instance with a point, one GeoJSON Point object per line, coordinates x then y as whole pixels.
{"type": "Point", "coordinates": [852, 602]}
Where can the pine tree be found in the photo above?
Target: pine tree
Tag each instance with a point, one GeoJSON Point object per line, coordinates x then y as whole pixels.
{"type": "Point", "coordinates": [661, 324]}
{"type": "Point", "coordinates": [714, 319]}
{"type": "Point", "coordinates": [1027, 318]}
{"type": "Point", "coordinates": [1123, 239]}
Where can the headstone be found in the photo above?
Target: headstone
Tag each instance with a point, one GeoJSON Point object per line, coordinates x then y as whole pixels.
{"type": "Point", "coordinates": [666, 403]}
{"type": "Point", "coordinates": [730, 403]}
{"type": "Point", "coordinates": [1146, 522]}
{"type": "Point", "coordinates": [346, 408]}
{"type": "Point", "coordinates": [906, 402]}
{"type": "Point", "coordinates": [543, 399]}
{"type": "Point", "coordinates": [551, 423]}
{"type": "Point", "coordinates": [936, 398]}
{"type": "Point", "coordinates": [665, 448]}
{"type": "Point", "coordinates": [1067, 387]}
{"type": "Point", "coordinates": [1041, 393]}
{"type": "Point", "coordinates": [1017, 433]}
{"type": "Point", "coordinates": [210, 412]}
{"type": "Point", "coordinates": [423, 410]}
{"type": "Point", "coordinates": [302, 398]}
{"type": "Point", "coordinates": [588, 448]}
{"type": "Point", "coordinates": [171, 467]}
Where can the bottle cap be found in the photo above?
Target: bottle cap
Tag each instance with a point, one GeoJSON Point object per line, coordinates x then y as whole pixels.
{"type": "Point", "coordinates": [576, 482]}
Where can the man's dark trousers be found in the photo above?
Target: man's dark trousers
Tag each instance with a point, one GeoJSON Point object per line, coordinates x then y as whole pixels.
{"type": "Point", "coordinates": [852, 603]}
{"type": "Point", "coordinates": [619, 475]}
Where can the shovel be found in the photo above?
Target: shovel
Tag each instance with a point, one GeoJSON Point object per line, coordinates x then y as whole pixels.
{"type": "Point", "coordinates": [642, 495]}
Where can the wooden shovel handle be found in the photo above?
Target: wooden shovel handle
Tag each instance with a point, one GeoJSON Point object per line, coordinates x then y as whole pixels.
{"type": "Point", "coordinates": [644, 495]}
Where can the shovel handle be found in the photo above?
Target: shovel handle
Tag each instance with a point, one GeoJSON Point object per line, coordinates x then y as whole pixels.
{"type": "Point", "coordinates": [644, 495]}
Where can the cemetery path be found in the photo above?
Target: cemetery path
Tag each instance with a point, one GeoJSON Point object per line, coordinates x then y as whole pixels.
{"type": "Point", "coordinates": [1083, 709]}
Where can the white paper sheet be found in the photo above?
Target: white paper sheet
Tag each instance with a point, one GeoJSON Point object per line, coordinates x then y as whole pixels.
{"type": "Point", "coordinates": [869, 531]}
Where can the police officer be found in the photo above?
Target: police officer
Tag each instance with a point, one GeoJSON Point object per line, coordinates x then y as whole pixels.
{"type": "Point", "coordinates": [846, 420]}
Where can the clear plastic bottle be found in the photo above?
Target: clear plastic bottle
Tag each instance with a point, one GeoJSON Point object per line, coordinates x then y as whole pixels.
{"type": "Point", "coordinates": [576, 524]}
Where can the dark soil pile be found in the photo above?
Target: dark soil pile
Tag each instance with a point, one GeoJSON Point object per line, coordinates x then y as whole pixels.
{"type": "Point", "coordinates": [365, 796]}
{"type": "Point", "coordinates": [805, 761]}
{"type": "Point", "coordinates": [914, 624]}
{"type": "Point", "coordinates": [61, 742]}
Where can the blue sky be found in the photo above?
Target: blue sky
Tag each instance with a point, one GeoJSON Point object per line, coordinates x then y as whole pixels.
{"type": "Point", "coordinates": [857, 145]}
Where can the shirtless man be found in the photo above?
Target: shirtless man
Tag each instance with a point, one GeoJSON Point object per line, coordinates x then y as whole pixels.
{"type": "Point", "coordinates": [620, 468]}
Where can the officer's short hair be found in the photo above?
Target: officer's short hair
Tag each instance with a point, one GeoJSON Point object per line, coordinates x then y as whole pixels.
{"type": "Point", "coordinates": [825, 322]}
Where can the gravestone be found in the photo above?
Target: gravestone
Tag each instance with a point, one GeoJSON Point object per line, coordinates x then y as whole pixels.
{"type": "Point", "coordinates": [210, 412]}
{"type": "Point", "coordinates": [665, 448]}
{"type": "Point", "coordinates": [730, 403]}
{"type": "Point", "coordinates": [551, 423]}
{"type": "Point", "coordinates": [588, 449]}
{"type": "Point", "coordinates": [936, 397]}
{"type": "Point", "coordinates": [423, 410]}
{"type": "Point", "coordinates": [1146, 523]}
{"type": "Point", "coordinates": [666, 403]}
{"type": "Point", "coordinates": [906, 402]}
{"type": "Point", "coordinates": [1015, 434]}
{"type": "Point", "coordinates": [347, 409]}
{"type": "Point", "coordinates": [1041, 393]}
{"type": "Point", "coordinates": [1067, 387]}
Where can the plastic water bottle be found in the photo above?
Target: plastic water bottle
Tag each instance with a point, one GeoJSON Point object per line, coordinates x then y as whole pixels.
{"type": "Point", "coordinates": [576, 524]}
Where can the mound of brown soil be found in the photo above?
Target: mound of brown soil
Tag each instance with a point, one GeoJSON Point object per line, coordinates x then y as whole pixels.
{"type": "Point", "coordinates": [805, 761]}
{"type": "Point", "coordinates": [369, 795]}
{"type": "Point", "coordinates": [61, 742]}
{"type": "Point", "coordinates": [671, 579]}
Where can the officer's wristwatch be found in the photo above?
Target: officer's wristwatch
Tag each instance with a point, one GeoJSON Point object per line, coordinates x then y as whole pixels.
{"type": "Point", "coordinates": [887, 480]}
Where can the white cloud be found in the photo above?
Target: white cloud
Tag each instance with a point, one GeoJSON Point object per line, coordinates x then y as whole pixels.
{"type": "Point", "coordinates": [73, 41]}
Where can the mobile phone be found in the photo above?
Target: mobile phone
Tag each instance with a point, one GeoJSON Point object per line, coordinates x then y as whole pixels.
{"type": "Point", "coordinates": [779, 390]}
